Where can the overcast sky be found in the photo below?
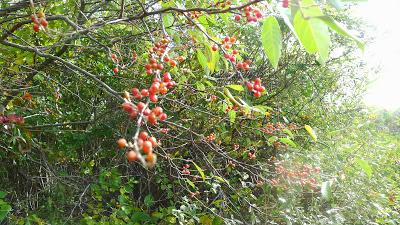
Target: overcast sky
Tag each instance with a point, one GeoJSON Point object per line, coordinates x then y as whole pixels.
{"type": "Point", "coordinates": [385, 51]}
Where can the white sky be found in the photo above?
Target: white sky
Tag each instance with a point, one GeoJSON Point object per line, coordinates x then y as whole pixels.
{"type": "Point", "coordinates": [384, 52]}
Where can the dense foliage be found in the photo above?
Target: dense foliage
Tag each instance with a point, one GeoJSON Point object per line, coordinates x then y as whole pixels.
{"type": "Point", "coordinates": [251, 111]}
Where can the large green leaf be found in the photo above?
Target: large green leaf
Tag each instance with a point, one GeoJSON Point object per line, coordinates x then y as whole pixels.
{"type": "Point", "coordinates": [271, 39]}
{"type": "Point", "coordinates": [340, 29]}
{"type": "Point", "coordinates": [364, 165]}
{"type": "Point", "coordinates": [313, 33]}
{"type": "Point", "coordinates": [200, 171]}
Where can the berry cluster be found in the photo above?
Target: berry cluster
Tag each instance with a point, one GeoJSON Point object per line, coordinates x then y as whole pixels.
{"type": "Point", "coordinates": [145, 143]}
{"type": "Point", "coordinates": [39, 21]}
{"type": "Point", "coordinates": [210, 137]}
{"type": "Point", "coordinates": [303, 176]}
{"type": "Point", "coordinates": [252, 14]}
{"type": "Point", "coordinates": [229, 108]}
{"type": "Point", "coordinates": [11, 119]}
{"type": "Point", "coordinates": [256, 87]}
{"type": "Point", "coordinates": [185, 169]}
{"type": "Point", "coordinates": [160, 47]}
{"type": "Point", "coordinates": [222, 4]}
{"type": "Point", "coordinates": [150, 115]}
{"type": "Point", "coordinates": [194, 14]}
{"type": "Point", "coordinates": [245, 65]}
{"type": "Point", "coordinates": [156, 87]}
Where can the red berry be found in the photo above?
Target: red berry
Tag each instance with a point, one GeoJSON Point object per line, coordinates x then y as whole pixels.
{"type": "Point", "coordinates": [152, 119]}
{"type": "Point", "coordinates": [152, 60]}
{"type": "Point", "coordinates": [257, 81]}
{"type": "Point", "coordinates": [149, 72]}
{"type": "Point", "coordinates": [172, 63]}
{"type": "Point", "coordinates": [155, 87]}
{"type": "Point", "coordinates": [246, 66]}
{"type": "Point", "coordinates": [146, 112]}
{"type": "Point", "coordinates": [235, 52]}
{"type": "Point", "coordinates": [44, 22]}
{"type": "Point", "coordinates": [147, 66]}
{"type": "Point", "coordinates": [127, 107]}
{"type": "Point", "coordinates": [214, 47]}
{"type": "Point", "coordinates": [153, 98]}
{"type": "Point", "coordinates": [153, 141]}
{"type": "Point", "coordinates": [250, 86]}
{"type": "Point", "coordinates": [157, 110]}
{"type": "Point", "coordinates": [122, 143]}
{"type": "Point", "coordinates": [163, 116]}
{"type": "Point", "coordinates": [226, 39]}
{"type": "Point", "coordinates": [36, 27]}
{"type": "Point", "coordinates": [166, 58]}
{"type": "Point", "coordinates": [238, 17]}
{"type": "Point", "coordinates": [131, 156]}
{"type": "Point", "coordinates": [143, 135]}
{"type": "Point", "coordinates": [257, 94]}
{"type": "Point", "coordinates": [160, 67]}
{"type": "Point", "coordinates": [140, 106]}
{"type": "Point", "coordinates": [147, 147]}
{"type": "Point", "coordinates": [135, 92]}
{"type": "Point", "coordinates": [167, 77]}
{"type": "Point", "coordinates": [145, 92]}
{"type": "Point", "coordinates": [116, 70]}
{"type": "Point", "coordinates": [133, 114]}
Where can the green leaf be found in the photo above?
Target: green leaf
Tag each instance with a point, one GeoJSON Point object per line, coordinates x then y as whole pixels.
{"type": "Point", "coordinates": [202, 59]}
{"type": "Point", "coordinates": [340, 29]}
{"type": "Point", "coordinates": [236, 87]}
{"type": "Point", "coordinates": [364, 165]}
{"type": "Point", "coordinates": [3, 194]}
{"type": "Point", "coordinates": [190, 183]}
{"type": "Point", "coordinates": [287, 141]}
{"type": "Point", "coordinates": [232, 116]}
{"type": "Point", "coordinates": [5, 208]}
{"type": "Point", "coordinates": [271, 39]}
{"type": "Point", "coordinates": [148, 200]}
{"type": "Point", "coordinates": [200, 171]}
{"type": "Point", "coordinates": [313, 34]}
{"type": "Point", "coordinates": [311, 132]}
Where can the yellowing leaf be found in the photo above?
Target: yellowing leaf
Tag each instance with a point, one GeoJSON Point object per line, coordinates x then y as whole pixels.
{"type": "Point", "coordinates": [200, 171]}
{"type": "Point", "coordinates": [311, 132]}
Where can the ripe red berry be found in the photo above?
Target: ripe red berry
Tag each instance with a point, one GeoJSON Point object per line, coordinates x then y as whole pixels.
{"type": "Point", "coordinates": [250, 86]}
{"type": "Point", "coordinates": [153, 141]}
{"type": "Point", "coordinates": [167, 77]}
{"type": "Point", "coordinates": [257, 81]}
{"type": "Point", "coordinates": [152, 119]}
{"type": "Point", "coordinates": [44, 22]}
{"type": "Point", "coordinates": [144, 92]}
{"type": "Point", "coordinates": [154, 88]}
{"type": "Point", "coordinates": [172, 63]}
{"type": "Point", "coordinates": [237, 18]}
{"type": "Point", "coordinates": [285, 3]}
{"type": "Point", "coordinates": [214, 47]}
{"type": "Point", "coordinates": [36, 27]}
{"type": "Point", "coordinates": [127, 107]}
{"type": "Point", "coordinates": [226, 39]}
{"type": "Point", "coordinates": [152, 60]}
{"type": "Point", "coordinates": [131, 156]}
{"type": "Point", "coordinates": [246, 66]}
{"type": "Point", "coordinates": [153, 98]}
{"type": "Point", "coordinates": [166, 58]}
{"type": "Point", "coordinates": [149, 72]}
{"type": "Point", "coordinates": [163, 116]}
{"type": "Point", "coordinates": [235, 52]}
{"type": "Point", "coordinates": [147, 66]}
{"type": "Point", "coordinates": [140, 106]}
{"type": "Point", "coordinates": [133, 114]}
{"type": "Point", "coordinates": [116, 70]}
{"type": "Point", "coordinates": [160, 66]}
{"type": "Point", "coordinates": [257, 94]}
{"type": "Point", "coordinates": [135, 91]}
{"type": "Point", "coordinates": [143, 135]}
{"type": "Point", "coordinates": [122, 143]}
{"type": "Point", "coordinates": [157, 110]}
{"type": "Point", "coordinates": [146, 112]}
{"type": "Point", "coordinates": [147, 147]}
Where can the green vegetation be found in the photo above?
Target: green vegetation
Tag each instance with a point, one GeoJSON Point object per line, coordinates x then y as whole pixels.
{"type": "Point", "coordinates": [181, 112]}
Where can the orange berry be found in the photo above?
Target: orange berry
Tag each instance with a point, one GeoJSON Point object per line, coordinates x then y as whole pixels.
{"type": "Point", "coordinates": [147, 147]}
{"type": "Point", "coordinates": [132, 156]}
{"type": "Point", "coordinates": [122, 143]}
